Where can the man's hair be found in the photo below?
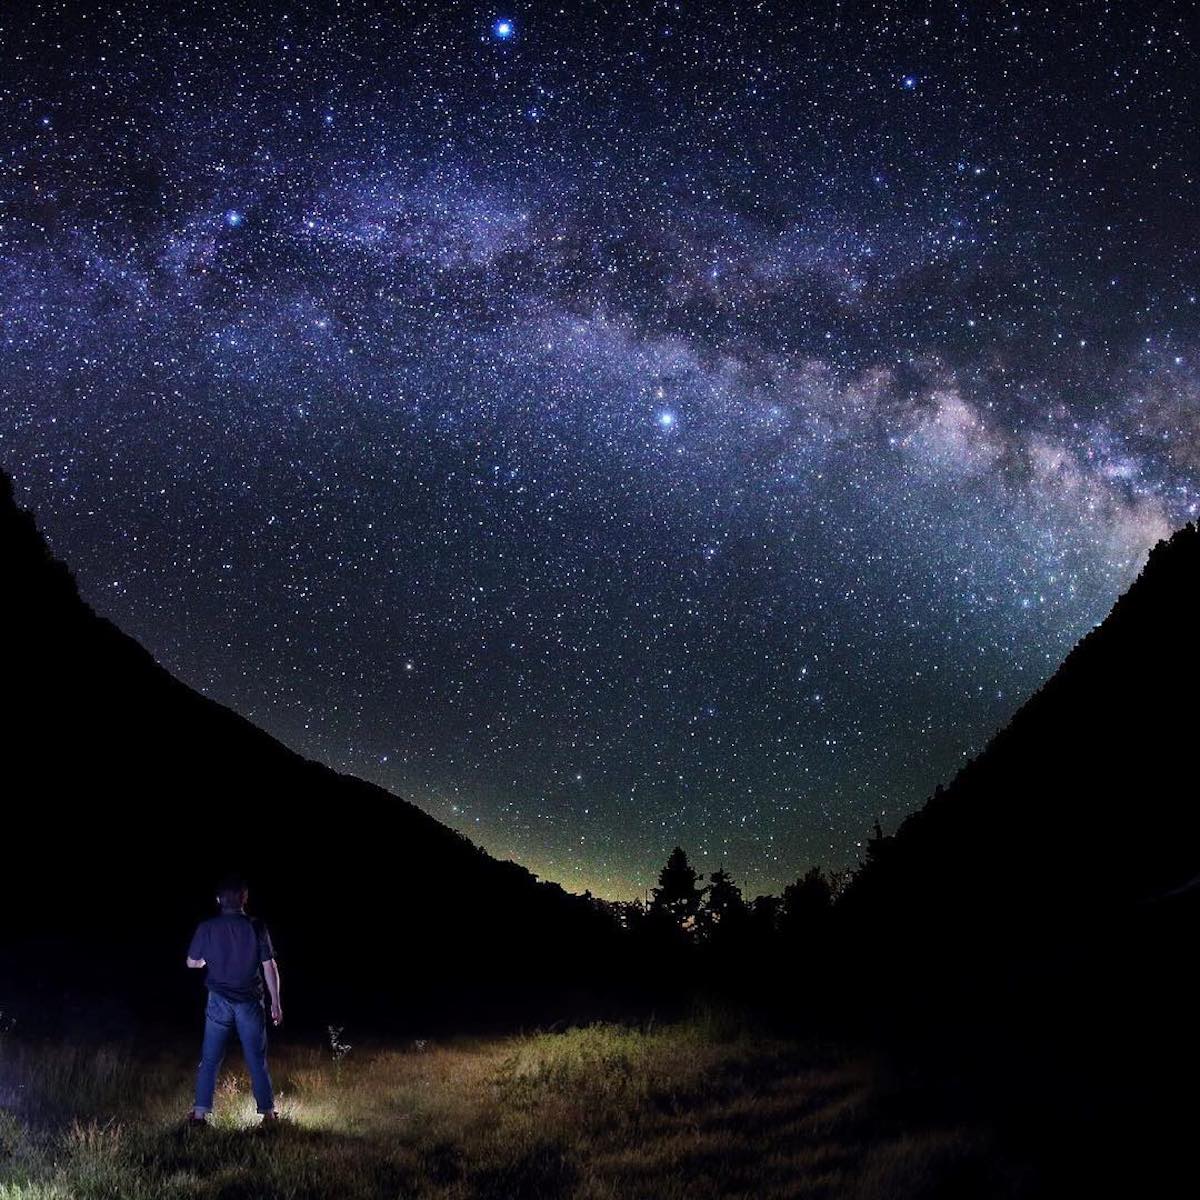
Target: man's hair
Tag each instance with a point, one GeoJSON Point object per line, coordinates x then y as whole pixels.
{"type": "Point", "coordinates": [231, 891]}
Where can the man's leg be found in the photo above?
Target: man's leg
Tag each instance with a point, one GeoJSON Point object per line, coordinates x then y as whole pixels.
{"type": "Point", "coordinates": [252, 1029]}
{"type": "Point", "coordinates": [218, 1019]}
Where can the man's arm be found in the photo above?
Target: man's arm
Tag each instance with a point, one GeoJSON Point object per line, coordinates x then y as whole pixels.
{"type": "Point", "coordinates": [198, 946]}
{"type": "Point", "coordinates": [271, 974]}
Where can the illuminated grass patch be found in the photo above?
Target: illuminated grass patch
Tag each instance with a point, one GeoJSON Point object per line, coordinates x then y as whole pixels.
{"type": "Point", "coordinates": [594, 1114]}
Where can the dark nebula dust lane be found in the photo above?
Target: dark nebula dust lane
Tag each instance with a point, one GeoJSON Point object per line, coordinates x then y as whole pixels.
{"type": "Point", "coordinates": [607, 426]}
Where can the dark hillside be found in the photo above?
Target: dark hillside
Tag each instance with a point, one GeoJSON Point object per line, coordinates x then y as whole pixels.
{"type": "Point", "coordinates": [1084, 807]}
{"type": "Point", "coordinates": [126, 793]}
{"type": "Point", "coordinates": [1033, 928]}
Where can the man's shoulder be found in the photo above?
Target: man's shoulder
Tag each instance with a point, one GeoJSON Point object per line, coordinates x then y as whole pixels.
{"type": "Point", "coordinates": [223, 920]}
{"type": "Point", "coordinates": [200, 937]}
{"type": "Point", "coordinates": [226, 920]}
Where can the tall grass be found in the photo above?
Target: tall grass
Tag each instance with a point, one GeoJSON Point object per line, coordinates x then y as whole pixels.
{"type": "Point", "coordinates": [699, 1109]}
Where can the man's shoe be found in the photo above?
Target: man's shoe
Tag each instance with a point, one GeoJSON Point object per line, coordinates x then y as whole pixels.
{"type": "Point", "coordinates": [271, 1118]}
{"type": "Point", "coordinates": [192, 1121]}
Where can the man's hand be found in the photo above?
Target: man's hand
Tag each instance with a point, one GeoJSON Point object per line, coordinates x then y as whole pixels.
{"type": "Point", "coordinates": [271, 974]}
{"type": "Point", "coordinates": [195, 962]}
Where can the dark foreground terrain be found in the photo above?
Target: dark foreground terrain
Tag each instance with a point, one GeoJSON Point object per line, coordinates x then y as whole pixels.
{"type": "Point", "coordinates": [703, 1108]}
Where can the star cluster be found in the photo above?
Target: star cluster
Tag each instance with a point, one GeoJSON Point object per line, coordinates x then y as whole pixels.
{"type": "Point", "coordinates": [607, 427]}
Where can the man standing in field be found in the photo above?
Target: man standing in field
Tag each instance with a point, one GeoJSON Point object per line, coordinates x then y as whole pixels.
{"type": "Point", "coordinates": [237, 951]}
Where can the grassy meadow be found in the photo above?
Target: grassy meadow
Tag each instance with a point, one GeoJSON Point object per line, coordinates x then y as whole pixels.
{"type": "Point", "coordinates": [696, 1109]}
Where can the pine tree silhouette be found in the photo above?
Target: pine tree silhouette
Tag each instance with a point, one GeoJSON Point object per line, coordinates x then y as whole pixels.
{"type": "Point", "coordinates": [677, 896]}
{"type": "Point", "coordinates": [723, 912]}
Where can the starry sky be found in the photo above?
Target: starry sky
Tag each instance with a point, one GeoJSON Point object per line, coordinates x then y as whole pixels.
{"type": "Point", "coordinates": [608, 425]}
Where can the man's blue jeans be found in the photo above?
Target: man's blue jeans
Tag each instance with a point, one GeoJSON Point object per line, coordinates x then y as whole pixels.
{"type": "Point", "coordinates": [220, 1017]}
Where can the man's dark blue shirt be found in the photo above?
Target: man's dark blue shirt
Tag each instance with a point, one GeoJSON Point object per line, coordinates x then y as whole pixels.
{"type": "Point", "coordinates": [233, 946]}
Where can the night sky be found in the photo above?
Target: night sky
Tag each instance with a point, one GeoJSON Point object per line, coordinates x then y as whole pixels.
{"type": "Point", "coordinates": [606, 426]}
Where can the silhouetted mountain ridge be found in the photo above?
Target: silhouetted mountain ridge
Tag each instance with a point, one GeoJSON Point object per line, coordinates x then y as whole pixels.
{"type": "Point", "coordinates": [128, 793]}
{"type": "Point", "coordinates": [1083, 805]}
{"type": "Point", "coordinates": [1034, 925]}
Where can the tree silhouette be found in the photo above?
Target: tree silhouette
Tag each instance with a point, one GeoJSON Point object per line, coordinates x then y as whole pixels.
{"type": "Point", "coordinates": [677, 896]}
{"type": "Point", "coordinates": [806, 904]}
{"type": "Point", "coordinates": [723, 908]}
{"type": "Point", "coordinates": [764, 915]}
{"type": "Point", "coordinates": [879, 841]}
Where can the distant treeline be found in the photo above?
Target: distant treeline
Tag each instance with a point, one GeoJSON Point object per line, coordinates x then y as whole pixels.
{"type": "Point", "coordinates": [687, 908]}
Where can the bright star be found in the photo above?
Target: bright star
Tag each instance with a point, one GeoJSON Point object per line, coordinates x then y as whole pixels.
{"type": "Point", "coordinates": [503, 29]}
{"type": "Point", "coordinates": [233, 218]}
{"type": "Point", "coordinates": [908, 82]}
{"type": "Point", "coordinates": [666, 419]}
